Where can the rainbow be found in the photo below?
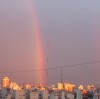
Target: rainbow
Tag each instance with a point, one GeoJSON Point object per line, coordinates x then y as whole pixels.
{"type": "Point", "coordinates": [38, 50]}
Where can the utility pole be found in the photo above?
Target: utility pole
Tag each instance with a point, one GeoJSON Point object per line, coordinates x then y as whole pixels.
{"type": "Point", "coordinates": [47, 61]}
{"type": "Point", "coordinates": [47, 73]}
{"type": "Point", "coordinates": [61, 75]}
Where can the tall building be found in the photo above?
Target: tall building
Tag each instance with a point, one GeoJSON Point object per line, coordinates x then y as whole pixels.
{"type": "Point", "coordinates": [5, 82]}
{"type": "Point", "coordinates": [60, 86]}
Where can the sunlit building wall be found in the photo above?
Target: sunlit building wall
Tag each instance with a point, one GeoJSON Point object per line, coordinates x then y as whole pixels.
{"type": "Point", "coordinates": [15, 86]}
{"type": "Point", "coordinates": [69, 87]}
{"type": "Point", "coordinates": [5, 82]}
{"type": "Point", "coordinates": [81, 87]}
{"type": "Point", "coordinates": [60, 86]}
{"type": "Point", "coordinates": [88, 87]}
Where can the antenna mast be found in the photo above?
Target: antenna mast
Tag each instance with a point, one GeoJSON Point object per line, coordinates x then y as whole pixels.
{"type": "Point", "coordinates": [47, 59]}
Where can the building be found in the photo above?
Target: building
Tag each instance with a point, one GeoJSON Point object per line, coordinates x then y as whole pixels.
{"type": "Point", "coordinates": [19, 94]}
{"type": "Point", "coordinates": [44, 94]}
{"type": "Point", "coordinates": [59, 86]}
{"type": "Point", "coordinates": [34, 95]}
{"type": "Point", "coordinates": [5, 82]}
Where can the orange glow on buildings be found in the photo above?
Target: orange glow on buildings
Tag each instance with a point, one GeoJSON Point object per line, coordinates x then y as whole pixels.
{"type": "Point", "coordinates": [69, 87]}
{"type": "Point", "coordinates": [27, 86]}
{"type": "Point", "coordinates": [15, 86]}
{"type": "Point", "coordinates": [84, 92]}
{"type": "Point", "coordinates": [81, 87]}
{"type": "Point", "coordinates": [5, 82]}
{"type": "Point", "coordinates": [88, 87]}
{"type": "Point", "coordinates": [59, 86]}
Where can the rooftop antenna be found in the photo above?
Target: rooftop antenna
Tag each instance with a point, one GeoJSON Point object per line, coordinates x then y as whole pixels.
{"type": "Point", "coordinates": [47, 59]}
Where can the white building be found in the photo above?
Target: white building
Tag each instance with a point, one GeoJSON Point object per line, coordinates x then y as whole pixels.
{"type": "Point", "coordinates": [8, 96]}
{"type": "Point", "coordinates": [53, 96]}
{"type": "Point", "coordinates": [44, 94]}
{"type": "Point", "coordinates": [78, 94]}
{"type": "Point", "coordinates": [69, 95]}
{"type": "Point", "coordinates": [34, 95]}
{"type": "Point", "coordinates": [62, 95]}
{"type": "Point", "coordinates": [19, 94]}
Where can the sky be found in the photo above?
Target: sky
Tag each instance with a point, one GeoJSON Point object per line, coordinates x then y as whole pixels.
{"type": "Point", "coordinates": [70, 28]}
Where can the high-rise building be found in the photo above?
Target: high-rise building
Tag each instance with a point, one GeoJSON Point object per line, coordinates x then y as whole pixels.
{"type": "Point", "coordinates": [5, 82]}
{"type": "Point", "coordinates": [60, 86]}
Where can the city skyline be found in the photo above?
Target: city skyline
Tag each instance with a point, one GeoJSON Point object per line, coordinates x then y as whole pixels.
{"type": "Point", "coordinates": [69, 33]}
